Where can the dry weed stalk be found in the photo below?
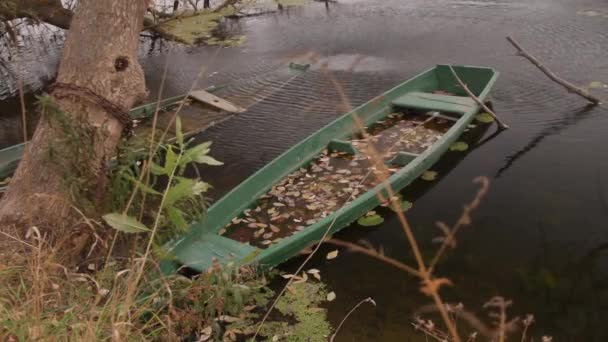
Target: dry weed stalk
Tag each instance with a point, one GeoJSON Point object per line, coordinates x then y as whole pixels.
{"type": "Point", "coordinates": [366, 300]}
{"type": "Point", "coordinates": [430, 284]}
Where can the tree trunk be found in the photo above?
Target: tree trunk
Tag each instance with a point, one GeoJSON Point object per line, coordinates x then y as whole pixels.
{"type": "Point", "coordinates": [99, 77]}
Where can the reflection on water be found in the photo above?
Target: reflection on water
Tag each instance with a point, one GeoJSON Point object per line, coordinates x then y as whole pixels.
{"type": "Point", "coordinates": [538, 238]}
{"type": "Point", "coordinates": [553, 128]}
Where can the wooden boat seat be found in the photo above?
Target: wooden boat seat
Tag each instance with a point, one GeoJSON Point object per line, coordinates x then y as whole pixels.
{"type": "Point", "coordinates": [336, 145]}
{"type": "Point", "coordinates": [428, 101]}
{"type": "Point", "coordinates": [200, 253]}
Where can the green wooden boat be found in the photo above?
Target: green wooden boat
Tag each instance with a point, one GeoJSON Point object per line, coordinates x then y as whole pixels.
{"type": "Point", "coordinates": [11, 156]}
{"type": "Point", "coordinates": [265, 204]}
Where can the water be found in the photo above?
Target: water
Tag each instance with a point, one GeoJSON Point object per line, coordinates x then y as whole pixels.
{"type": "Point", "coordinates": [540, 235]}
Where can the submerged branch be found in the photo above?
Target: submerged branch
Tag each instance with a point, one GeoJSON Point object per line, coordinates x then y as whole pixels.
{"type": "Point", "coordinates": [477, 100]}
{"type": "Point", "coordinates": [569, 86]}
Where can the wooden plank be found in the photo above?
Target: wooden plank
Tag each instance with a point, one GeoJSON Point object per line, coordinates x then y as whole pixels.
{"type": "Point", "coordinates": [442, 103]}
{"type": "Point", "coordinates": [210, 99]}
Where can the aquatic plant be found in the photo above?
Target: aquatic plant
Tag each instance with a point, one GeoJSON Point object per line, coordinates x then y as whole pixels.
{"type": "Point", "coordinates": [459, 146]}
{"type": "Point", "coordinates": [484, 118]}
{"type": "Point", "coordinates": [429, 175]}
{"type": "Point", "coordinates": [370, 219]}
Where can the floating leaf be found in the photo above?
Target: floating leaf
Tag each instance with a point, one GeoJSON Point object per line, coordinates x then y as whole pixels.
{"type": "Point", "coordinates": [596, 85]}
{"type": "Point", "coordinates": [484, 118]}
{"type": "Point", "coordinates": [332, 255]}
{"type": "Point", "coordinates": [459, 146]}
{"type": "Point", "coordinates": [370, 221]}
{"type": "Point", "coordinates": [406, 205]}
{"type": "Point", "coordinates": [124, 223]}
{"type": "Point", "coordinates": [429, 175]}
{"type": "Point", "coordinates": [331, 296]}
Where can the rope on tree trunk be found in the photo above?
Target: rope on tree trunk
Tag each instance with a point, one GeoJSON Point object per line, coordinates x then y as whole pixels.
{"type": "Point", "coordinates": [62, 90]}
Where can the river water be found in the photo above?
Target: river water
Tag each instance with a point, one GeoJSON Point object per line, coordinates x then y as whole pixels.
{"type": "Point", "coordinates": [540, 237]}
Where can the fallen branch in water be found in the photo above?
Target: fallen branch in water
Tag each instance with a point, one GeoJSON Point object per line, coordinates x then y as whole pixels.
{"type": "Point", "coordinates": [477, 100]}
{"type": "Point", "coordinates": [569, 86]}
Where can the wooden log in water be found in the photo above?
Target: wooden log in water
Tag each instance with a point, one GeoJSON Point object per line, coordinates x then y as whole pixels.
{"type": "Point", "coordinates": [569, 86]}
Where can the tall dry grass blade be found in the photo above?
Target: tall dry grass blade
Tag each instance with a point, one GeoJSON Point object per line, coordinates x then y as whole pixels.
{"type": "Point", "coordinates": [366, 300]}
{"type": "Point", "coordinates": [23, 110]}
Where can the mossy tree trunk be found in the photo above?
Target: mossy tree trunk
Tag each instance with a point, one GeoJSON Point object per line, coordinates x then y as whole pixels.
{"type": "Point", "coordinates": [64, 165]}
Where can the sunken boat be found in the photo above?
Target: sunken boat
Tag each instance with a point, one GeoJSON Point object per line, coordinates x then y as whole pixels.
{"type": "Point", "coordinates": [330, 179]}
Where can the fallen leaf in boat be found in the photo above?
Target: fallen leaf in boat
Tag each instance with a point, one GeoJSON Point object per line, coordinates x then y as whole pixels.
{"type": "Point", "coordinates": [278, 204]}
{"type": "Point", "coordinates": [429, 175]}
{"type": "Point", "coordinates": [266, 242]}
{"type": "Point", "coordinates": [222, 231]}
{"type": "Point", "coordinates": [484, 118]}
{"type": "Point", "coordinates": [274, 228]}
{"type": "Point", "coordinates": [258, 233]}
{"type": "Point", "coordinates": [332, 255]}
{"type": "Point", "coordinates": [331, 296]}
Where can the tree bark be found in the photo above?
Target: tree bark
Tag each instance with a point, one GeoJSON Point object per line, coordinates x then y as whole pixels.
{"type": "Point", "coordinates": [99, 76]}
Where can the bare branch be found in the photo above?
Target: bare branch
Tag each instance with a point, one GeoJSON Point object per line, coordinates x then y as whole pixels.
{"type": "Point", "coordinates": [477, 100]}
{"type": "Point", "coordinates": [569, 86]}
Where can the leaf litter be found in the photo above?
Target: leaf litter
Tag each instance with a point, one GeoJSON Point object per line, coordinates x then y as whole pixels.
{"type": "Point", "coordinates": [333, 179]}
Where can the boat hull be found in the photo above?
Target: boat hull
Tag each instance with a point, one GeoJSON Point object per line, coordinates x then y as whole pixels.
{"type": "Point", "coordinates": [202, 245]}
